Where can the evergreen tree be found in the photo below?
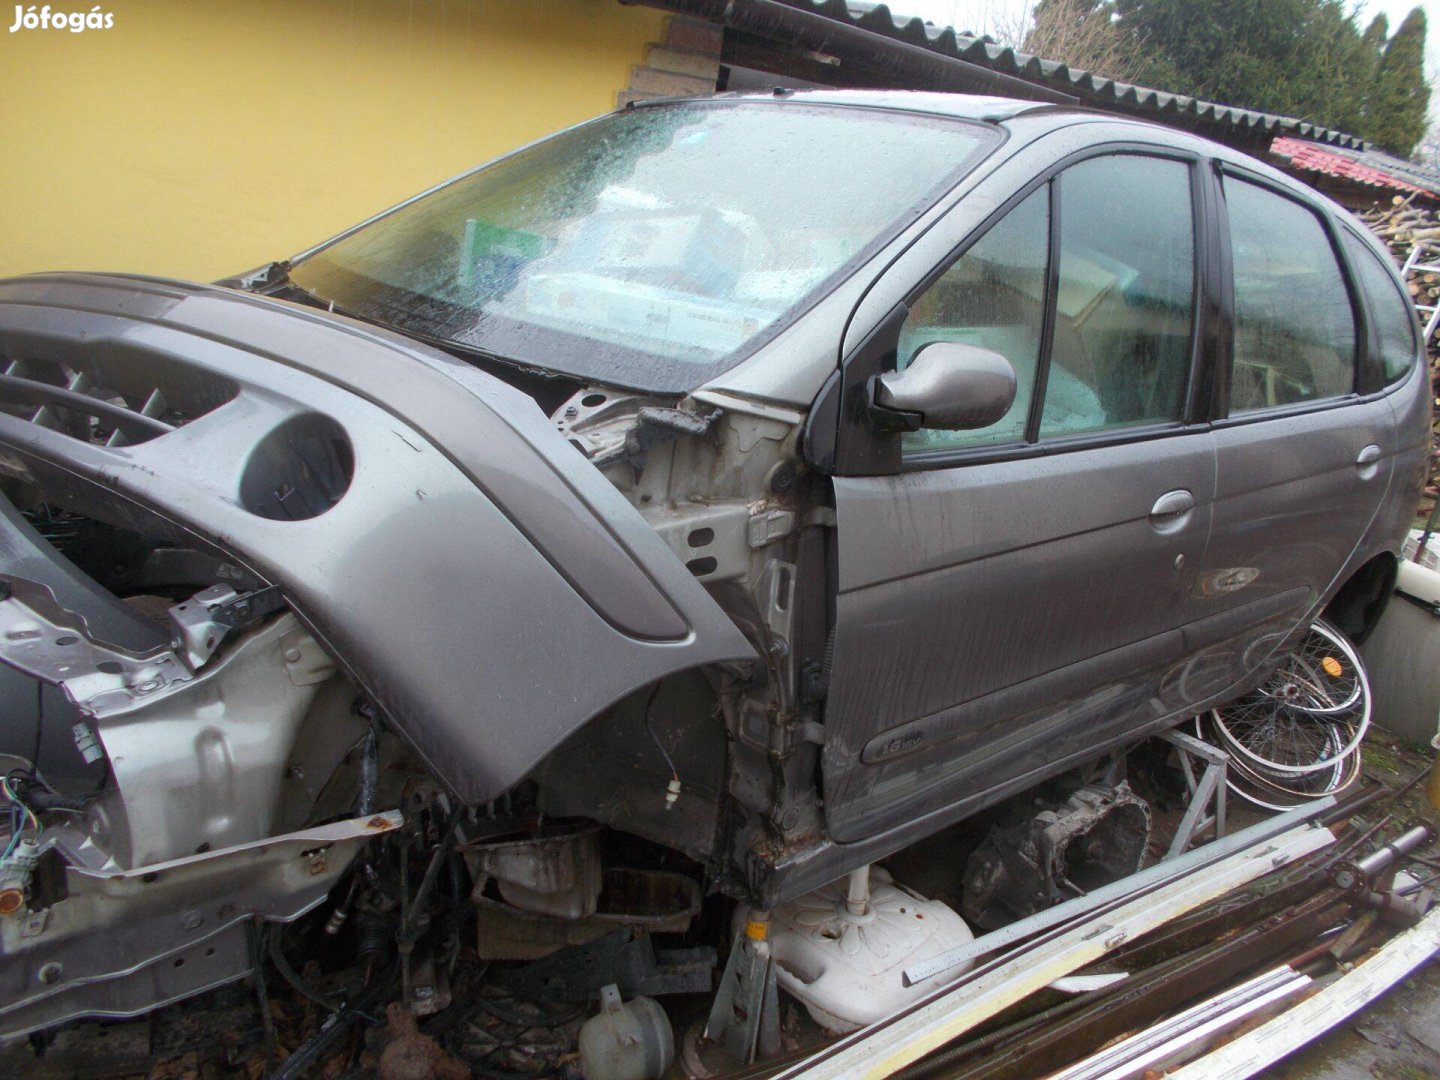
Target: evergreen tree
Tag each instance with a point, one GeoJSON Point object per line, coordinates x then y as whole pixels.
{"type": "Point", "coordinates": [1303, 58]}
{"type": "Point", "coordinates": [1375, 36]}
{"type": "Point", "coordinates": [1397, 106]}
{"type": "Point", "coordinates": [1367, 69]}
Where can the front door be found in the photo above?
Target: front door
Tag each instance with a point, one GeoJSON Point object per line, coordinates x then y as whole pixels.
{"type": "Point", "coordinates": [1010, 600]}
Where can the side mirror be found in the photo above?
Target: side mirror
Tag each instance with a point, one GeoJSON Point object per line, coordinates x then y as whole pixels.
{"type": "Point", "coordinates": [949, 386]}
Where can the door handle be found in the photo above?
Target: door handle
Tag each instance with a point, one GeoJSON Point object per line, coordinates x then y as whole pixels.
{"type": "Point", "coordinates": [1171, 511]}
{"type": "Point", "coordinates": [1366, 460]}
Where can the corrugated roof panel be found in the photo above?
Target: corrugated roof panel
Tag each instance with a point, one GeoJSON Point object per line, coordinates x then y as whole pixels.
{"type": "Point", "coordinates": [1094, 90]}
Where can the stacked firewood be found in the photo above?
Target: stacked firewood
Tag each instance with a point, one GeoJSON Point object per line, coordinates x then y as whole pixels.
{"type": "Point", "coordinates": [1401, 225]}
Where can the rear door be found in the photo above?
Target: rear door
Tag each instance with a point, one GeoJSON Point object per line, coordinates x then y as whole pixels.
{"type": "Point", "coordinates": [1304, 452]}
{"type": "Point", "coordinates": [1010, 598]}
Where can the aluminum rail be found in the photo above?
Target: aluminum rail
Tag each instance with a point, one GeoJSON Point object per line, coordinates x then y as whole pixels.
{"type": "Point", "coordinates": [1116, 892]}
{"type": "Point", "coordinates": [1311, 1018]}
{"type": "Point", "coordinates": [883, 1048]}
{"type": "Point", "coordinates": [1148, 1051]}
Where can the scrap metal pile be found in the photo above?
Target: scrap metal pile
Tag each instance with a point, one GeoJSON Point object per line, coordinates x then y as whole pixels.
{"type": "Point", "coordinates": [1315, 936]}
{"type": "Point", "coordinates": [1149, 973]}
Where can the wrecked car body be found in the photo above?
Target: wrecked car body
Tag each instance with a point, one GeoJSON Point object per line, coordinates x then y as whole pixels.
{"type": "Point", "coordinates": [583, 539]}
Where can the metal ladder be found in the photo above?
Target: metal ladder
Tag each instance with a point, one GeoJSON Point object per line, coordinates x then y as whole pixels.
{"type": "Point", "coordinates": [1423, 260]}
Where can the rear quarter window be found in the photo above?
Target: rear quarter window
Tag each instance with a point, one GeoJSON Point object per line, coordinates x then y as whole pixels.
{"type": "Point", "coordinates": [1394, 315]}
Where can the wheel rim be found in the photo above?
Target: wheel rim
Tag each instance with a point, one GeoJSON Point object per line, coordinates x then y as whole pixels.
{"type": "Point", "coordinates": [1323, 674]}
{"type": "Point", "coordinates": [1277, 792]}
{"type": "Point", "coordinates": [1289, 731]}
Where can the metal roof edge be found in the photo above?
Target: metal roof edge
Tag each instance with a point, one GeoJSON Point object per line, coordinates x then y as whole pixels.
{"type": "Point", "coordinates": [1091, 89]}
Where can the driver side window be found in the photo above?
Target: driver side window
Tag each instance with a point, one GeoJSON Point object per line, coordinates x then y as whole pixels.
{"type": "Point", "coordinates": [1123, 303]}
{"type": "Point", "coordinates": [994, 297]}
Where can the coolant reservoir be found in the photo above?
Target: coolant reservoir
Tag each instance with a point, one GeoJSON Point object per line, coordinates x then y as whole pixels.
{"type": "Point", "coordinates": [626, 1041]}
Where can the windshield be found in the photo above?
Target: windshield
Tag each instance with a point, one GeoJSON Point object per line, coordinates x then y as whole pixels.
{"type": "Point", "coordinates": [652, 248]}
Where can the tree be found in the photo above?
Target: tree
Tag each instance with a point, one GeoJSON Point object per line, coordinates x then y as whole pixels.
{"type": "Point", "coordinates": [1304, 58]}
{"type": "Point", "coordinates": [1367, 67]}
{"type": "Point", "coordinates": [1083, 34]}
{"type": "Point", "coordinates": [1375, 36]}
{"type": "Point", "coordinates": [1401, 96]}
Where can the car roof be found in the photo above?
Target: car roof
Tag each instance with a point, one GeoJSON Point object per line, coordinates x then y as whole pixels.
{"type": "Point", "coordinates": [960, 106]}
{"type": "Point", "coordinates": [1000, 110]}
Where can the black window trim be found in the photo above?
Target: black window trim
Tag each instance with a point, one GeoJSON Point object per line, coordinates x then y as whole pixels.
{"type": "Point", "coordinates": [1363, 355]}
{"type": "Point", "coordinates": [1193, 419]}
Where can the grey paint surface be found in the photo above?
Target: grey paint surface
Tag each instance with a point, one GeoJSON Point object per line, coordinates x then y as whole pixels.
{"type": "Point", "coordinates": [994, 616]}
{"type": "Point", "coordinates": [997, 622]}
{"type": "Point", "coordinates": [479, 579]}
{"type": "Point", "coordinates": [1291, 508]}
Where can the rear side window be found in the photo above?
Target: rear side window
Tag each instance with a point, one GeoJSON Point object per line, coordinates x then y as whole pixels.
{"type": "Point", "coordinates": [1395, 317]}
{"type": "Point", "coordinates": [1294, 323]}
{"type": "Point", "coordinates": [1121, 354]}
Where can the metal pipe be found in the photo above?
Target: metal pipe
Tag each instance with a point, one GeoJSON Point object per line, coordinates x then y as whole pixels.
{"type": "Point", "coordinates": [1417, 834]}
{"type": "Point", "coordinates": [1249, 1054]}
{"type": "Point", "coordinates": [1410, 909]}
{"type": "Point", "coordinates": [857, 899]}
{"type": "Point", "coordinates": [1360, 841]}
{"type": "Point", "coordinates": [1050, 1040]}
{"type": "Point", "coordinates": [1357, 872]}
{"type": "Point", "coordinates": [1430, 525]}
{"type": "Point", "coordinates": [1151, 1048]}
{"type": "Point", "coordinates": [920, 67]}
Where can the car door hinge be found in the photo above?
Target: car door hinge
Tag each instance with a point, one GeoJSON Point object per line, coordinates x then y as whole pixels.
{"type": "Point", "coordinates": [785, 738]}
{"type": "Point", "coordinates": [822, 517]}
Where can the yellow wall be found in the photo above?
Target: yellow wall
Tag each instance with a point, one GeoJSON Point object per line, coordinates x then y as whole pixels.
{"type": "Point", "coordinates": [197, 139]}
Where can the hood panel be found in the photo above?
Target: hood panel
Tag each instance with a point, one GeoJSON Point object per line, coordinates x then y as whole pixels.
{"type": "Point", "coordinates": [488, 588]}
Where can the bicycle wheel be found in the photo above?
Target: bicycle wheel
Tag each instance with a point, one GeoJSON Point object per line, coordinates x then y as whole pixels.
{"type": "Point", "coordinates": [1323, 674]}
{"type": "Point", "coordinates": [1278, 791]}
{"type": "Point", "coordinates": [1288, 726]}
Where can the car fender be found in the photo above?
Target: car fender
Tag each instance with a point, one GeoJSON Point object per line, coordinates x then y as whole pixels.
{"type": "Point", "coordinates": [484, 585]}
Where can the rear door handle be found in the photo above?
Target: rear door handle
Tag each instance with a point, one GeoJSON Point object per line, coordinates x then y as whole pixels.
{"type": "Point", "coordinates": [1365, 461]}
{"type": "Point", "coordinates": [1171, 511]}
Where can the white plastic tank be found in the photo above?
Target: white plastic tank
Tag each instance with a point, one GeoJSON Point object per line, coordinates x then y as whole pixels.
{"type": "Point", "coordinates": [1402, 655]}
{"type": "Point", "coordinates": [626, 1041]}
{"type": "Point", "coordinates": [842, 949]}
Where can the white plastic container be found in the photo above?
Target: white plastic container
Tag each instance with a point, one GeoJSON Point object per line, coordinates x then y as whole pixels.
{"type": "Point", "coordinates": [846, 967]}
{"type": "Point", "coordinates": [626, 1041]}
{"type": "Point", "coordinates": [1403, 656]}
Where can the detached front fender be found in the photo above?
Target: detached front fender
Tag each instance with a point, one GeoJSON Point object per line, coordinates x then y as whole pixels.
{"type": "Point", "coordinates": [484, 584]}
